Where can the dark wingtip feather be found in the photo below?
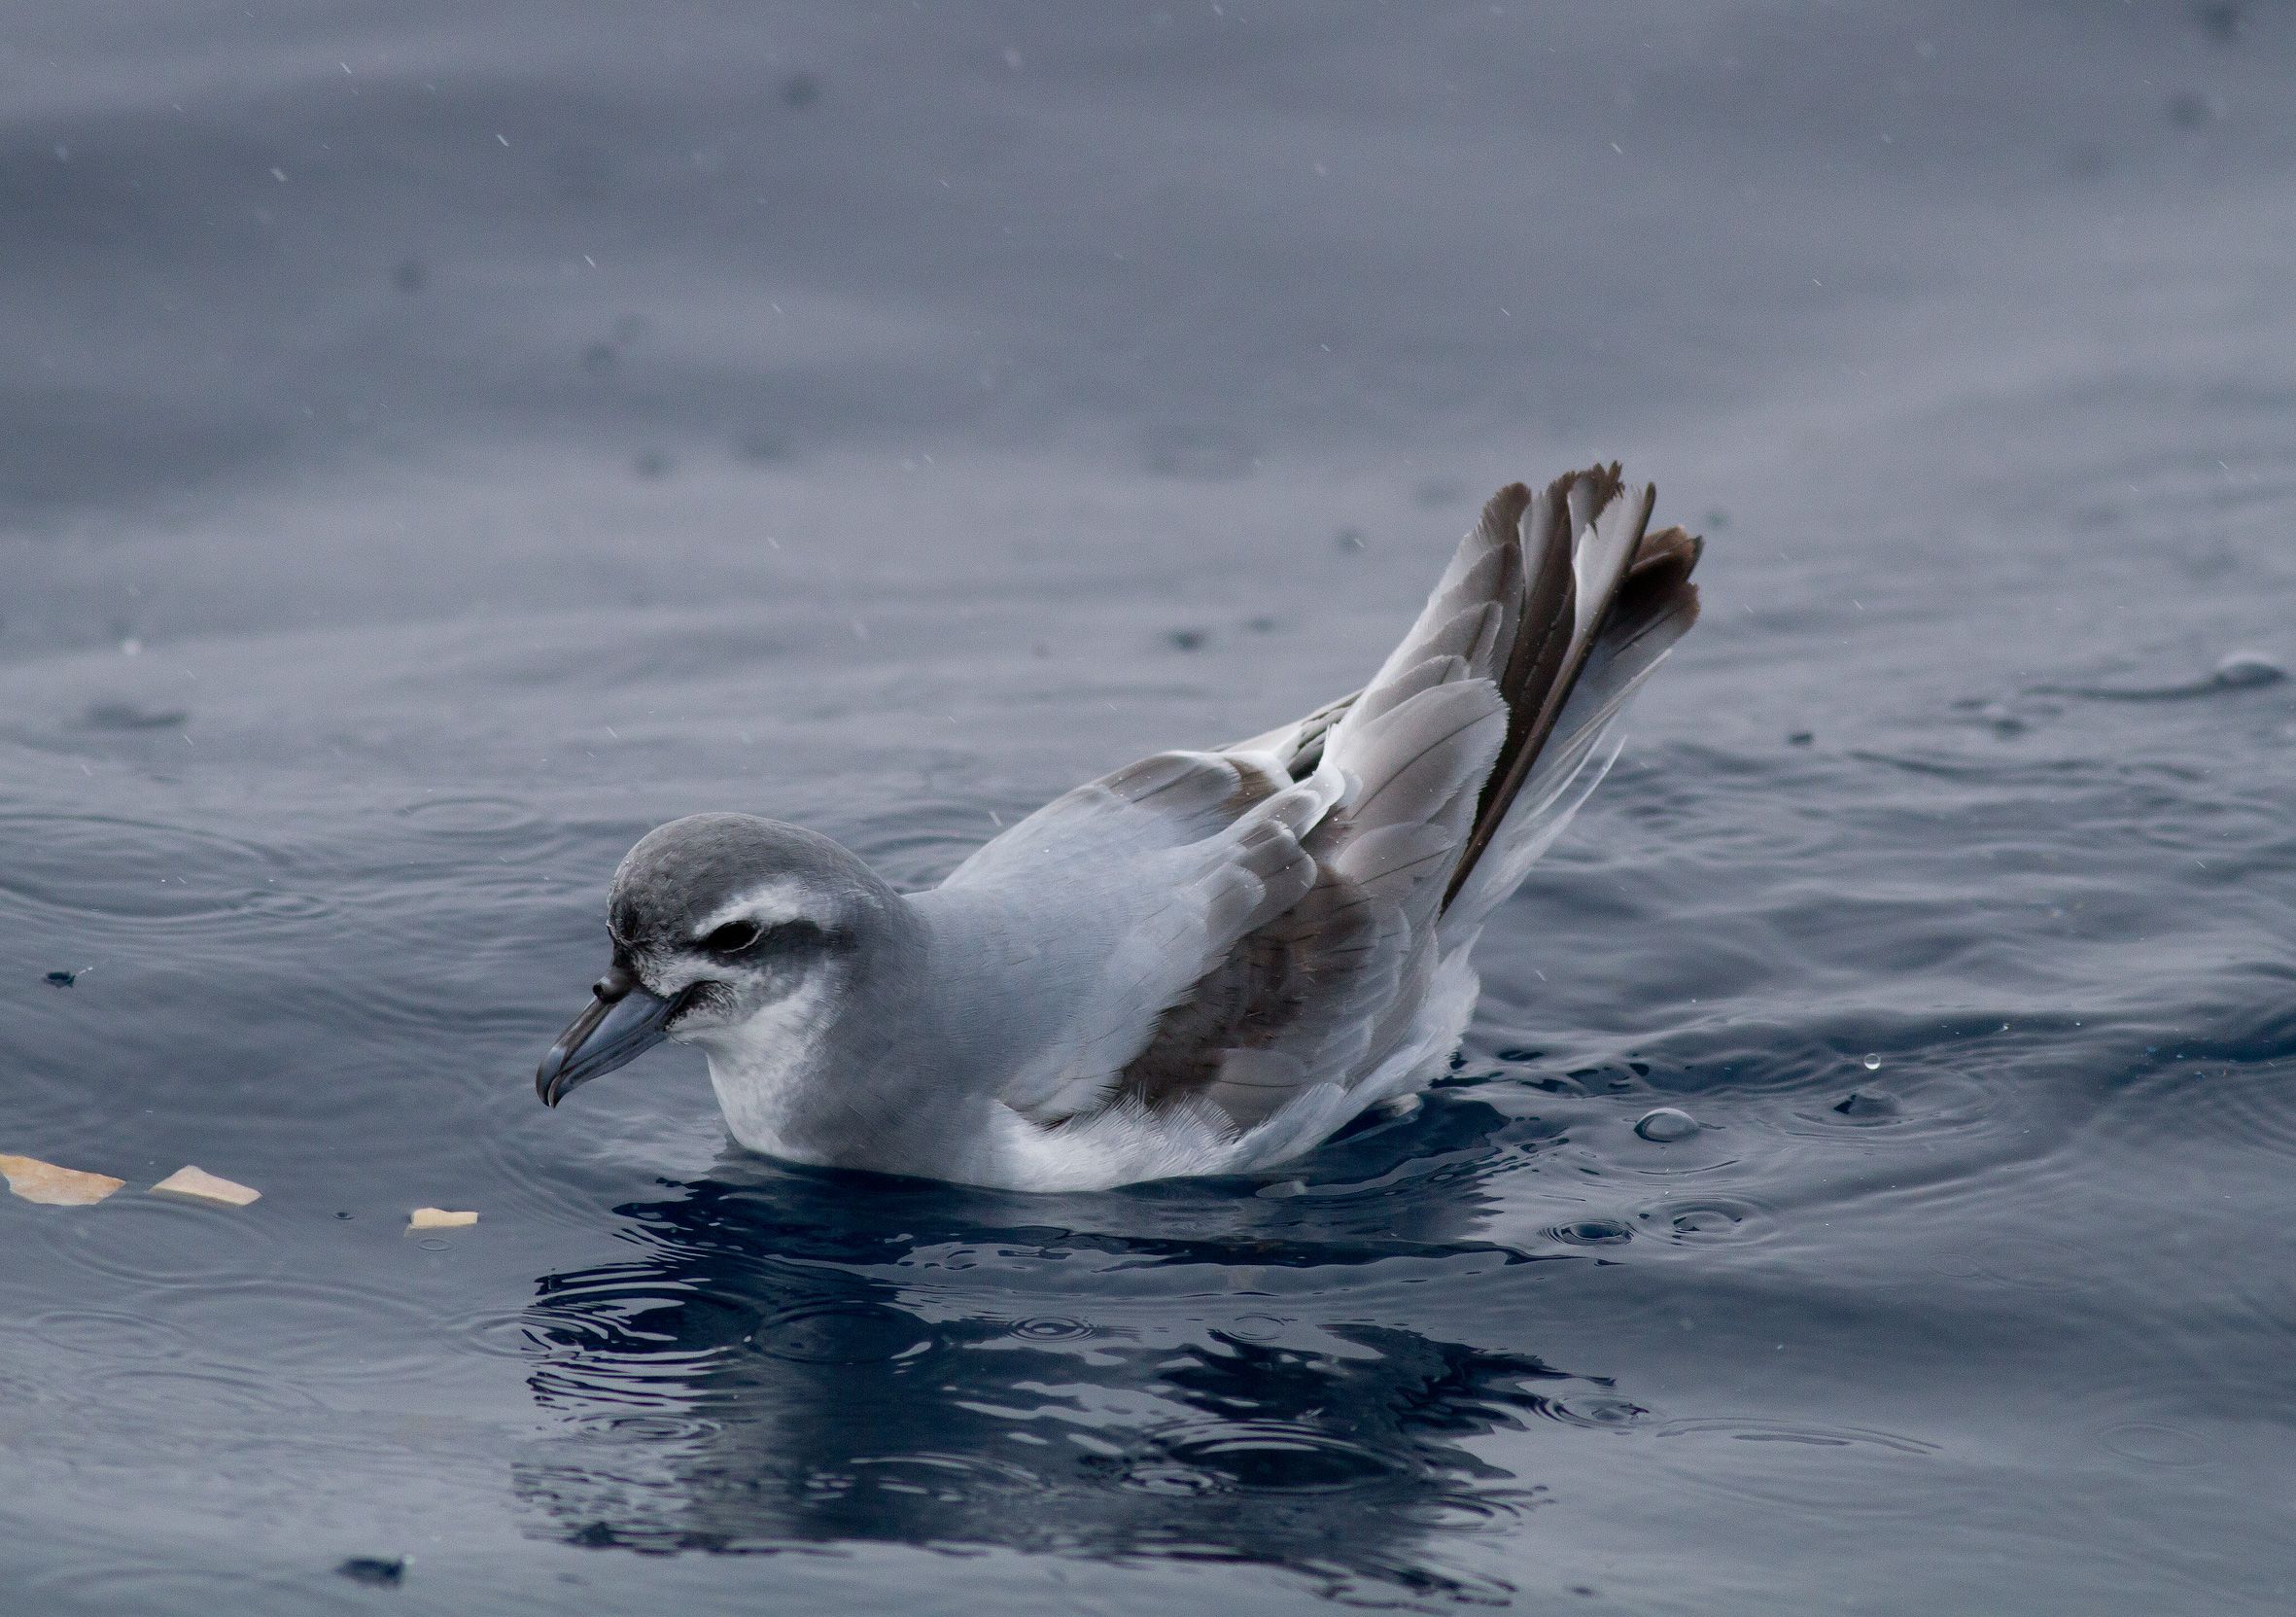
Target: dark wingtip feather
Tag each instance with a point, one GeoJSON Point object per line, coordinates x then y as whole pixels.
{"type": "Point", "coordinates": [1652, 595]}
{"type": "Point", "coordinates": [1505, 509]}
{"type": "Point", "coordinates": [1668, 545]}
{"type": "Point", "coordinates": [1602, 484]}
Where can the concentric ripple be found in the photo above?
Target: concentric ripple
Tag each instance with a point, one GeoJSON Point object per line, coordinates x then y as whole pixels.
{"type": "Point", "coordinates": [1257, 1457]}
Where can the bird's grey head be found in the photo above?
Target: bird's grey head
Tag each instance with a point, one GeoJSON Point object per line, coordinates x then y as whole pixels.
{"type": "Point", "coordinates": [716, 920]}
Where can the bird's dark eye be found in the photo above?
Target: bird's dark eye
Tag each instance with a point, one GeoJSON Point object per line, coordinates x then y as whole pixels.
{"type": "Point", "coordinates": [732, 937]}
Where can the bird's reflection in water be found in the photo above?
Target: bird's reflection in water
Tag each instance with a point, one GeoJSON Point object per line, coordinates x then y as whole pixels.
{"type": "Point", "coordinates": [793, 1359]}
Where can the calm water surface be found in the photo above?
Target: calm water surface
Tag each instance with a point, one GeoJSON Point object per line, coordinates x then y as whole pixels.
{"type": "Point", "coordinates": [439, 443]}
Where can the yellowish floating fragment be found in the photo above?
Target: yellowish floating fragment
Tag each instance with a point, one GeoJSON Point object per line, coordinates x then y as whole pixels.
{"type": "Point", "coordinates": [207, 1188]}
{"type": "Point", "coordinates": [43, 1182]}
{"type": "Point", "coordinates": [439, 1218]}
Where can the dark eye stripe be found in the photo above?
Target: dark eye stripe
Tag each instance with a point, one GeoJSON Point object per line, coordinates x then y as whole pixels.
{"type": "Point", "coordinates": [732, 937]}
{"type": "Point", "coordinates": [748, 937]}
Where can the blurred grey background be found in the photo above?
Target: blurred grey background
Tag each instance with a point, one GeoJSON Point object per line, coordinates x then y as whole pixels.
{"type": "Point", "coordinates": [388, 310]}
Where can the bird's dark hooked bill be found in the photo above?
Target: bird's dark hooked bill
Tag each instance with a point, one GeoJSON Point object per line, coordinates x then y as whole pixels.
{"type": "Point", "coordinates": [625, 1019]}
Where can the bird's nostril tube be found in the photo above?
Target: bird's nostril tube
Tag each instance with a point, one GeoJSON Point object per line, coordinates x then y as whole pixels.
{"type": "Point", "coordinates": [615, 985]}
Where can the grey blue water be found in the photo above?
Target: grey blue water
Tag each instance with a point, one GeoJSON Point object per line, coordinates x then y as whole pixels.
{"type": "Point", "coordinates": [439, 443]}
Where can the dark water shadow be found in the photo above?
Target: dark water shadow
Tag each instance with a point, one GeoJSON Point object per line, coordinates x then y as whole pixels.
{"type": "Point", "coordinates": [796, 1361]}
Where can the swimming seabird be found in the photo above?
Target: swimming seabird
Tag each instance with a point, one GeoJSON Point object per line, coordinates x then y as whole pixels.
{"type": "Point", "coordinates": [1205, 963]}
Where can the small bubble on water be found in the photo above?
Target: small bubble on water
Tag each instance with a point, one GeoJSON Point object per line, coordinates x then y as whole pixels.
{"type": "Point", "coordinates": [1873, 1063]}
{"type": "Point", "coordinates": [1666, 1124]}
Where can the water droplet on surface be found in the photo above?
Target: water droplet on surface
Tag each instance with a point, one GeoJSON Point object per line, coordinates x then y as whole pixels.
{"type": "Point", "coordinates": [2242, 670]}
{"type": "Point", "coordinates": [1599, 1412]}
{"type": "Point", "coordinates": [1873, 1063]}
{"type": "Point", "coordinates": [1666, 1124]}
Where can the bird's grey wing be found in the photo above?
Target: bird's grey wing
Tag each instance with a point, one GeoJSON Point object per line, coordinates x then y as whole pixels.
{"type": "Point", "coordinates": [1165, 801]}
{"type": "Point", "coordinates": [1154, 873]}
{"type": "Point", "coordinates": [1313, 997]}
{"type": "Point", "coordinates": [1324, 978]}
{"type": "Point", "coordinates": [1139, 930]}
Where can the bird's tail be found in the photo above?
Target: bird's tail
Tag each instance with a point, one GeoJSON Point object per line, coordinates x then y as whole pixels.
{"type": "Point", "coordinates": [1552, 612]}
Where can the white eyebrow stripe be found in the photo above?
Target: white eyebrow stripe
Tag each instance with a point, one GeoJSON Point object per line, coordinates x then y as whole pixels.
{"type": "Point", "coordinates": [769, 904]}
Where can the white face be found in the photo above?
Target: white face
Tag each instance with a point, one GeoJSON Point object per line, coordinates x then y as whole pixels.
{"type": "Point", "coordinates": [749, 957]}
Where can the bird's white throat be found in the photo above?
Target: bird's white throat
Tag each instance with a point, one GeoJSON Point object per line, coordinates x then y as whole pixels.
{"type": "Point", "coordinates": [763, 1069]}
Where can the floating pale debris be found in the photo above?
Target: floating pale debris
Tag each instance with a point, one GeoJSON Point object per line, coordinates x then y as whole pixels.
{"type": "Point", "coordinates": [1666, 1124]}
{"type": "Point", "coordinates": [202, 1185]}
{"type": "Point", "coordinates": [43, 1182]}
{"type": "Point", "coordinates": [439, 1218]}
